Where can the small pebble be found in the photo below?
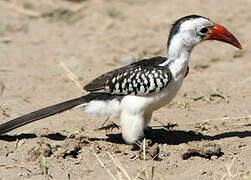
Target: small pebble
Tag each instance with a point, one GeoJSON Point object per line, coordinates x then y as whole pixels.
{"type": "Point", "coordinates": [76, 162]}
{"type": "Point", "coordinates": [46, 150]}
{"type": "Point", "coordinates": [154, 150]}
{"type": "Point", "coordinates": [203, 172]}
{"type": "Point", "coordinates": [164, 154]}
{"type": "Point", "coordinates": [128, 60]}
{"type": "Point", "coordinates": [214, 158]}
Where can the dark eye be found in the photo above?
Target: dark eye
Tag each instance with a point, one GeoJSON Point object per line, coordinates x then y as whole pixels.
{"type": "Point", "coordinates": [203, 30]}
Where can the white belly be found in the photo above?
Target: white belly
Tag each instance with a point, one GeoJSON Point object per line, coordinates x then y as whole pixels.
{"type": "Point", "coordinates": [151, 103]}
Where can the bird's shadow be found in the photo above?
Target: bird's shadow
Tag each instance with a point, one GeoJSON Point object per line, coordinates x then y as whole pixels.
{"type": "Point", "coordinates": [52, 136]}
{"type": "Point", "coordinates": [160, 136]}
{"type": "Point", "coordinates": [176, 137]}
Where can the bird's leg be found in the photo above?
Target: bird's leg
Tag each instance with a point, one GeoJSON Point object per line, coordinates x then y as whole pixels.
{"type": "Point", "coordinates": [146, 130]}
{"type": "Point", "coordinates": [132, 125]}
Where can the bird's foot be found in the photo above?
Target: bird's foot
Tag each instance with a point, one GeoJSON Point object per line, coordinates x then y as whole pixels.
{"type": "Point", "coordinates": [137, 143]}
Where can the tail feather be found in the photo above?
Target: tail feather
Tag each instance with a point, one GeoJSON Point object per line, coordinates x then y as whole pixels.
{"type": "Point", "coordinates": [42, 113]}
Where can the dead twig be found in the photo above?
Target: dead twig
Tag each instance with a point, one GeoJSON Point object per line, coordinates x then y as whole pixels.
{"type": "Point", "coordinates": [102, 164]}
{"type": "Point", "coordinates": [119, 165]}
{"type": "Point", "coordinates": [144, 149]}
{"type": "Point", "coordinates": [71, 75]}
{"type": "Point", "coordinates": [228, 167]}
{"type": "Point", "coordinates": [145, 168]}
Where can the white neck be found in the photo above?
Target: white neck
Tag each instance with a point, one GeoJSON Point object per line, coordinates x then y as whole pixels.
{"type": "Point", "coordinates": [179, 52]}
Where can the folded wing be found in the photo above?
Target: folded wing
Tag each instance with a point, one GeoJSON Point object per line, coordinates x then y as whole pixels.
{"type": "Point", "coordinates": [141, 78]}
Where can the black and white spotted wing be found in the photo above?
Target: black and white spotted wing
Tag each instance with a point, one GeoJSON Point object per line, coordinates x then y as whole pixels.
{"type": "Point", "coordinates": [140, 78]}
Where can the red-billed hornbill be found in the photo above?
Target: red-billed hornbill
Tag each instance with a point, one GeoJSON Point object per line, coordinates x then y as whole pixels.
{"type": "Point", "coordinates": [133, 92]}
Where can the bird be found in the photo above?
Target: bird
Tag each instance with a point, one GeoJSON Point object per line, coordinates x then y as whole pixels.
{"type": "Point", "coordinates": [133, 92]}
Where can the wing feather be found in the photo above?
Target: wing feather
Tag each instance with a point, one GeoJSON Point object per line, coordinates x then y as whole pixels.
{"type": "Point", "coordinates": [140, 78]}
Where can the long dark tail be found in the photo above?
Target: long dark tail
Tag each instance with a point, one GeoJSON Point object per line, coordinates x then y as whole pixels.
{"type": "Point", "coordinates": [42, 113]}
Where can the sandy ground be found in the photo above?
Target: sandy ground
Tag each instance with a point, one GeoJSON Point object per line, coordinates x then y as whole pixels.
{"type": "Point", "coordinates": [39, 38]}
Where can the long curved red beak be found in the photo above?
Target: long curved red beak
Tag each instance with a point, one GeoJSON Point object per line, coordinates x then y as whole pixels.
{"type": "Point", "coordinates": [220, 33]}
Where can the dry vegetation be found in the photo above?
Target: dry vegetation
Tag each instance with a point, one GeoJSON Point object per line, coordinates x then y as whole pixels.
{"type": "Point", "coordinates": [50, 48]}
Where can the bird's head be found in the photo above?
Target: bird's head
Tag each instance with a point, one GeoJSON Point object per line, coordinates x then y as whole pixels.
{"type": "Point", "coordinates": [190, 30]}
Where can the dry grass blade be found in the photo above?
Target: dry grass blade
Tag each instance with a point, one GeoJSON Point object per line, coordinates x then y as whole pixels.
{"type": "Point", "coordinates": [102, 164]}
{"type": "Point", "coordinates": [71, 75]}
{"type": "Point", "coordinates": [145, 168]}
{"type": "Point", "coordinates": [144, 149]}
{"type": "Point", "coordinates": [136, 177]}
{"type": "Point", "coordinates": [229, 174]}
{"type": "Point", "coordinates": [229, 166]}
{"type": "Point", "coordinates": [119, 165]}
